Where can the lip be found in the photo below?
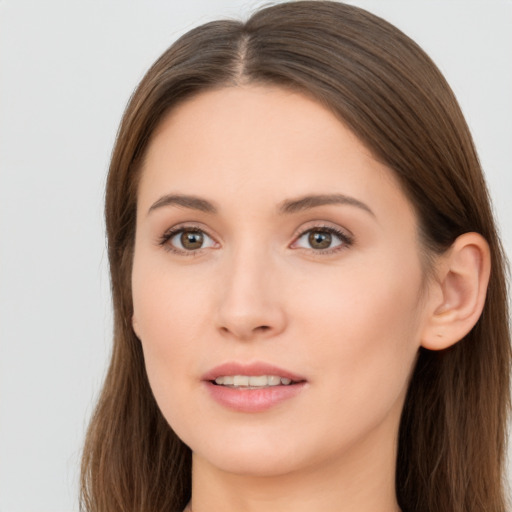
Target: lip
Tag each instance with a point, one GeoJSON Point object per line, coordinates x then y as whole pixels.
{"type": "Point", "coordinates": [251, 400]}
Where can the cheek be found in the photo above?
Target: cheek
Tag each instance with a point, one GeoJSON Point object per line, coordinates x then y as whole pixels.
{"type": "Point", "coordinates": [165, 303]}
{"type": "Point", "coordinates": [167, 332]}
{"type": "Point", "coordinates": [365, 329]}
{"type": "Point", "coordinates": [168, 323]}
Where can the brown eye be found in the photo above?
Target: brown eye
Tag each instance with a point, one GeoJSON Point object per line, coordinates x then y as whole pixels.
{"type": "Point", "coordinates": [322, 240]}
{"type": "Point", "coordinates": [319, 239]}
{"type": "Point", "coordinates": [188, 240]}
{"type": "Point", "coordinates": [191, 240]}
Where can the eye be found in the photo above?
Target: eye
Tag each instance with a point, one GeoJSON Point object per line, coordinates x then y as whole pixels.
{"type": "Point", "coordinates": [184, 240]}
{"type": "Point", "coordinates": [322, 239]}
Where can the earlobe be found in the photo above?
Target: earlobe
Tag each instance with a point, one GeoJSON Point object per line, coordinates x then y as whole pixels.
{"type": "Point", "coordinates": [462, 279]}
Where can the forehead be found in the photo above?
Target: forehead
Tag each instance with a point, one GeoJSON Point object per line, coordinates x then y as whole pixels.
{"type": "Point", "coordinates": [242, 143]}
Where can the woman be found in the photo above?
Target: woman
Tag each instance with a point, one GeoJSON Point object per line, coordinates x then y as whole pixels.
{"type": "Point", "coordinates": [309, 292]}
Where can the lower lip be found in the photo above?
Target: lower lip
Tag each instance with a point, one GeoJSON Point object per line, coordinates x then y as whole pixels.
{"type": "Point", "coordinates": [253, 400]}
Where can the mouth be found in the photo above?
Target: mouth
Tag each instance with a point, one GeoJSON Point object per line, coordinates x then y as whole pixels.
{"type": "Point", "coordinates": [251, 388]}
{"type": "Point", "coordinates": [252, 381]}
{"type": "Point", "coordinates": [255, 375]}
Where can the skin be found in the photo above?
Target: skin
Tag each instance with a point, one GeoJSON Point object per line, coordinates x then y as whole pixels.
{"type": "Point", "coordinates": [350, 320]}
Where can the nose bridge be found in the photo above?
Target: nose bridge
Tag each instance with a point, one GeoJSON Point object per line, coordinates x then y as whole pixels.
{"type": "Point", "coordinates": [249, 304]}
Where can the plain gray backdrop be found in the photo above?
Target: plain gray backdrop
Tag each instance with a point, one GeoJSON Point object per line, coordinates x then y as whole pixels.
{"type": "Point", "coordinates": [67, 69]}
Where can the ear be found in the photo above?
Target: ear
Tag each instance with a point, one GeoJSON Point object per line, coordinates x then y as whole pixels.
{"type": "Point", "coordinates": [456, 303]}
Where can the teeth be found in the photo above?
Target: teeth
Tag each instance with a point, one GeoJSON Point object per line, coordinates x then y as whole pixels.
{"type": "Point", "coordinates": [229, 380]}
{"type": "Point", "coordinates": [258, 381]}
{"type": "Point", "coordinates": [252, 381]}
{"type": "Point", "coordinates": [241, 380]}
{"type": "Point", "coordinates": [274, 380]}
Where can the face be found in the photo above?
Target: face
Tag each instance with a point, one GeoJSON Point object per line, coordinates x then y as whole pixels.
{"type": "Point", "coordinates": [275, 256]}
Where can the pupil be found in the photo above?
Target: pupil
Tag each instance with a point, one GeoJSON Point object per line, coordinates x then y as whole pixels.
{"type": "Point", "coordinates": [191, 239]}
{"type": "Point", "coordinates": [320, 239]}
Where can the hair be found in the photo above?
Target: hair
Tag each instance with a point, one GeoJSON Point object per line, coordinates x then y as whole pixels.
{"type": "Point", "coordinates": [380, 83]}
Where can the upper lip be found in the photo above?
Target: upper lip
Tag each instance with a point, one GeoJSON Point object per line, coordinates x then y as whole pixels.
{"type": "Point", "coordinates": [255, 369]}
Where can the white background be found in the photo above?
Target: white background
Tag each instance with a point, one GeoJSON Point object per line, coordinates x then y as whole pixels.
{"type": "Point", "coordinates": [67, 69]}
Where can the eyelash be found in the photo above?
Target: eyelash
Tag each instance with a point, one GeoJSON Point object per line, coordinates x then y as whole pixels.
{"type": "Point", "coordinates": [345, 239]}
{"type": "Point", "coordinates": [169, 234]}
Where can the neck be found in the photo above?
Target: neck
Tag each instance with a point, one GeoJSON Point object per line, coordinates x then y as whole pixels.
{"type": "Point", "coordinates": [361, 481]}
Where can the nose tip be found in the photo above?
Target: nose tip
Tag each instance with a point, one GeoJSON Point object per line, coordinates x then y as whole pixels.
{"type": "Point", "coordinates": [245, 327]}
{"type": "Point", "coordinates": [247, 318]}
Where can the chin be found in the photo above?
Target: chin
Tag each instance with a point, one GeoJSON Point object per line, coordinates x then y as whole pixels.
{"type": "Point", "coordinates": [253, 463]}
{"type": "Point", "coordinates": [250, 455]}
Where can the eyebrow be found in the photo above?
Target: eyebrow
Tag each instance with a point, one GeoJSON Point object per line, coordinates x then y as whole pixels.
{"type": "Point", "coordinates": [185, 201]}
{"type": "Point", "coordinates": [312, 201]}
{"type": "Point", "coordinates": [286, 207]}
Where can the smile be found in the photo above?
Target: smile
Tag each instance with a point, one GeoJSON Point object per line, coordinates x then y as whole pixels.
{"type": "Point", "coordinates": [252, 387]}
{"type": "Point", "coordinates": [252, 381]}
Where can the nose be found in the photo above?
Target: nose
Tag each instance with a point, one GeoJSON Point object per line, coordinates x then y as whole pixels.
{"type": "Point", "coordinates": [251, 302]}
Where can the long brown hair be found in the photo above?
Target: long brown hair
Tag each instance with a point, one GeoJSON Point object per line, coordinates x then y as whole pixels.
{"type": "Point", "coordinates": [385, 88]}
